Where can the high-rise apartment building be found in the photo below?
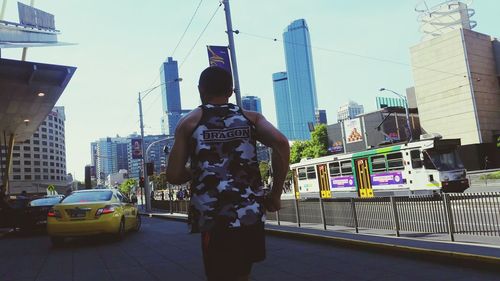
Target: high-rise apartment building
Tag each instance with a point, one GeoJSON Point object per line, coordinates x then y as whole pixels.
{"type": "Point", "coordinates": [251, 103]}
{"type": "Point", "coordinates": [349, 111]}
{"type": "Point", "coordinates": [41, 160]}
{"type": "Point", "coordinates": [300, 80]}
{"type": "Point", "coordinates": [282, 104]}
{"type": "Point", "coordinates": [171, 95]}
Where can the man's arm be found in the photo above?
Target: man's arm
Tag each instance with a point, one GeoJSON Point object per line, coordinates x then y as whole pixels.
{"type": "Point", "coordinates": [272, 137]}
{"type": "Point", "coordinates": [177, 172]}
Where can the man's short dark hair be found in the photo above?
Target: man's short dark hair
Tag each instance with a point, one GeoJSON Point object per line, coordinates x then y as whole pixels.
{"type": "Point", "coordinates": [216, 81]}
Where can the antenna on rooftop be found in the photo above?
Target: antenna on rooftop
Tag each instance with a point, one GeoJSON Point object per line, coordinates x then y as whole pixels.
{"type": "Point", "coordinates": [444, 17]}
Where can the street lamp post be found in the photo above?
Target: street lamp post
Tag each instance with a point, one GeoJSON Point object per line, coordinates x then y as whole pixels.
{"type": "Point", "coordinates": [408, 126]}
{"type": "Point", "coordinates": [232, 52]}
{"type": "Point", "coordinates": [144, 150]}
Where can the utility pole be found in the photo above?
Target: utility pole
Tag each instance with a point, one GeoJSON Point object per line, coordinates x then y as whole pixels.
{"type": "Point", "coordinates": [146, 194]}
{"type": "Point", "coordinates": [234, 65]}
{"type": "Point", "coordinates": [25, 50]}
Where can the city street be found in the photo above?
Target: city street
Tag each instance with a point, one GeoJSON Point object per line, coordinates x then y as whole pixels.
{"type": "Point", "coordinates": [163, 250]}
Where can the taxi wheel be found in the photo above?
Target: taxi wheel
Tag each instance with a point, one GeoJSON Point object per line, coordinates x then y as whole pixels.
{"type": "Point", "coordinates": [138, 223]}
{"type": "Point", "coordinates": [121, 230]}
{"type": "Point", "coordinates": [57, 241]}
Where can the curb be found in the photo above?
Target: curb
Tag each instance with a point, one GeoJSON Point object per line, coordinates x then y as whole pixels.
{"type": "Point", "coordinates": [441, 256]}
{"type": "Point", "coordinates": [438, 255]}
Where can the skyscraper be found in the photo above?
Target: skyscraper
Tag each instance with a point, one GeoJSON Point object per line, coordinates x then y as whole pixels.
{"type": "Point", "coordinates": [300, 81]}
{"type": "Point", "coordinates": [171, 96]}
{"type": "Point", "coordinates": [282, 103]}
{"type": "Point", "coordinates": [251, 103]}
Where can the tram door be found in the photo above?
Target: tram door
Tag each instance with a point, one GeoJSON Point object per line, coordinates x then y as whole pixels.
{"type": "Point", "coordinates": [323, 184]}
{"type": "Point", "coordinates": [363, 178]}
{"type": "Point", "coordinates": [296, 184]}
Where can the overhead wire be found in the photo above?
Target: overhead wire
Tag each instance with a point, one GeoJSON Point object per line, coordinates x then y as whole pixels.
{"type": "Point", "coordinates": [347, 53]}
{"type": "Point", "coordinates": [200, 35]}
{"type": "Point", "coordinates": [187, 27]}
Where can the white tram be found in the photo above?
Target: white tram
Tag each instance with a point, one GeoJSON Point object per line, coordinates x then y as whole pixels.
{"type": "Point", "coordinates": [426, 166]}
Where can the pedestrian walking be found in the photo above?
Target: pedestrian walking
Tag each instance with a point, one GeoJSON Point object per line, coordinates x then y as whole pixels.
{"type": "Point", "coordinates": [228, 202]}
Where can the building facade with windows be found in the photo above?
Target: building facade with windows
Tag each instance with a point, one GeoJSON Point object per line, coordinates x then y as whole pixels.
{"type": "Point", "coordinates": [111, 156]}
{"type": "Point", "coordinates": [251, 103]}
{"type": "Point", "coordinates": [282, 104]}
{"type": "Point", "coordinates": [349, 111]}
{"type": "Point", "coordinates": [321, 116]}
{"type": "Point", "coordinates": [41, 160]}
{"type": "Point", "coordinates": [301, 81]}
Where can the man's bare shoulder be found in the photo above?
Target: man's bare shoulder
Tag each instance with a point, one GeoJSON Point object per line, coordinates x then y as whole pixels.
{"type": "Point", "coordinates": [189, 121]}
{"type": "Point", "coordinates": [253, 116]}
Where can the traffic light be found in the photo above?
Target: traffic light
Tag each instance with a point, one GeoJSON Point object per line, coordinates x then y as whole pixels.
{"type": "Point", "coordinates": [141, 182]}
{"type": "Point", "coordinates": [150, 168]}
{"type": "Point", "coordinates": [88, 183]}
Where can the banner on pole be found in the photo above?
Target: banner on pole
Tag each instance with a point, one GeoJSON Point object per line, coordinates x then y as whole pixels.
{"type": "Point", "coordinates": [219, 56]}
{"type": "Point", "coordinates": [136, 149]}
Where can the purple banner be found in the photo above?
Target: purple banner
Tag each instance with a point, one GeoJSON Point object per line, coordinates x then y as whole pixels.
{"type": "Point", "coordinates": [387, 178]}
{"type": "Point", "coordinates": [136, 149]}
{"type": "Point", "coordinates": [219, 56]}
{"type": "Point", "coordinates": [346, 181]}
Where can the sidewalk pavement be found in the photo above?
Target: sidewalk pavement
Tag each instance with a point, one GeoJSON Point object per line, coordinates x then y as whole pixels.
{"type": "Point", "coordinates": [481, 255]}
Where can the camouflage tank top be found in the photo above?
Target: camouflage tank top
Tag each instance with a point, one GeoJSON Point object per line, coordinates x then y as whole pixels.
{"type": "Point", "coordinates": [226, 187]}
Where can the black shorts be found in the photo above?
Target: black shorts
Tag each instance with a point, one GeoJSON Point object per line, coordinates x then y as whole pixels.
{"type": "Point", "coordinates": [230, 253]}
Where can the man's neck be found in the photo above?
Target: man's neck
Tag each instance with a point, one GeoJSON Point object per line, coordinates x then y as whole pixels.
{"type": "Point", "coordinates": [218, 100]}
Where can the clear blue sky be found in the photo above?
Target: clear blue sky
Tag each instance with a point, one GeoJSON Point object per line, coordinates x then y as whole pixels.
{"type": "Point", "coordinates": [121, 45]}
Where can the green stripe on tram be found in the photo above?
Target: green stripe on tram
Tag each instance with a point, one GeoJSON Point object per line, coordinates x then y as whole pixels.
{"type": "Point", "coordinates": [377, 151]}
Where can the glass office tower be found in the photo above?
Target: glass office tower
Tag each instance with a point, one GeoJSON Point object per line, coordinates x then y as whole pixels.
{"type": "Point", "coordinates": [300, 74]}
{"type": "Point", "coordinates": [284, 114]}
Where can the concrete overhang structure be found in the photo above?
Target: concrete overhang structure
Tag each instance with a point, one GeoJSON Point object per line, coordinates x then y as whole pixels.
{"type": "Point", "coordinates": [28, 92]}
{"type": "Point", "coordinates": [16, 35]}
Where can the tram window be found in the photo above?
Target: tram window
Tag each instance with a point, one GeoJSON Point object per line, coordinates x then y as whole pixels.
{"type": "Point", "coordinates": [334, 169]}
{"type": "Point", "coordinates": [416, 162]}
{"type": "Point", "coordinates": [302, 173]}
{"type": "Point", "coordinates": [311, 172]}
{"type": "Point", "coordinates": [346, 168]}
{"type": "Point", "coordinates": [378, 163]}
{"type": "Point", "coordinates": [395, 161]}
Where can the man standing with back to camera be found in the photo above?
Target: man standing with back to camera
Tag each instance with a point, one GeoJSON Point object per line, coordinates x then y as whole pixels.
{"type": "Point", "coordinates": [228, 203]}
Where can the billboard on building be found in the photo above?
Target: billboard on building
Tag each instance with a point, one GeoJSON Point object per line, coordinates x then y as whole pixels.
{"type": "Point", "coordinates": [136, 148]}
{"type": "Point", "coordinates": [35, 17]}
{"type": "Point", "coordinates": [219, 56]}
{"type": "Point", "coordinates": [352, 130]}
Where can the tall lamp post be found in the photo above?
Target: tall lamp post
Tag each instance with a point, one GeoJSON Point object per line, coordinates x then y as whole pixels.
{"type": "Point", "coordinates": [410, 132]}
{"type": "Point", "coordinates": [143, 95]}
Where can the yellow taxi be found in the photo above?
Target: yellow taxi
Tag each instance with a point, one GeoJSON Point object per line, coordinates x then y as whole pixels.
{"type": "Point", "coordinates": [90, 212]}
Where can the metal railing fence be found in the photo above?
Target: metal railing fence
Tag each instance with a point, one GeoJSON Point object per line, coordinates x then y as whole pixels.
{"type": "Point", "coordinates": [455, 213]}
